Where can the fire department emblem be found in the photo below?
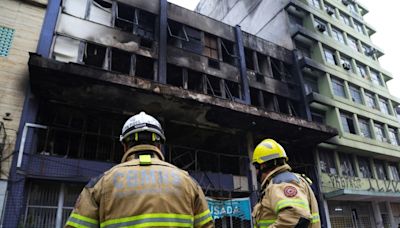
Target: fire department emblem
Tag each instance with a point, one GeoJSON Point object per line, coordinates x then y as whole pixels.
{"type": "Point", "coordinates": [290, 191]}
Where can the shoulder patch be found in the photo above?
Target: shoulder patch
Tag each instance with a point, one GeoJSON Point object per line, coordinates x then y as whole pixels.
{"type": "Point", "coordinates": [285, 177]}
{"type": "Point", "coordinates": [93, 181]}
{"type": "Point", "coordinates": [290, 191]}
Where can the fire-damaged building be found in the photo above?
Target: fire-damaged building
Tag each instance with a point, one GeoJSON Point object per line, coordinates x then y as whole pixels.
{"type": "Point", "coordinates": [216, 90]}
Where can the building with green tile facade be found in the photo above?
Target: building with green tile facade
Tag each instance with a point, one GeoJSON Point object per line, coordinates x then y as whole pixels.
{"type": "Point", "coordinates": [345, 87]}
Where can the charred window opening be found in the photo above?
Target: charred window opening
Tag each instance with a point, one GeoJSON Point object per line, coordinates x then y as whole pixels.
{"type": "Point", "coordinates": [260, 78]}
{"type": "Point", "coordinates": [146, 43]}
{"type": "Point", "coordinates": [263, 64]}
{"type": "Point", "coordinates": [195, 81]}
{"type": "Point", "coordinates": [177, 33]}
{"type": "Point", "coordinates": [249, 58]}
{"type": "Point", "coordinates": [228, 52]}
{"type": "Point", "coordinates": [103, 3]}
{"type": "Point", "coordinates": [94, 55]}
{"type": "Point", "coordinates": [232, 90]}
{"type": "Point", "coordinates": [277, 69]}
{"type": "Point", "coordinates": [213, 63]}
{"type": "Point", "coordinates": [130, 19]}
{"type": "Point", "coordinates": [120, 61]}
{"type": "Point", "coordinates": [193, 43]}
{"type": "Point", "coordinates": [145, 24]}
{"type": "Point", "coordinates": [125, 16]}
{"type": "Point", "coordinates": [81, 134]}
{"type": "Point", "coordinates": [144, 67]}
{"type": "Point", "coordinates": [174, 75]}
{"type": "Point", "coordinates": [210, 46]}
{"type": "Point", "coordinates": [213, 86]}
{"type": "Point", "coordinates": [255, 97]}
{"type": "Point", "coordinates": [283, 105]}
{"type": "Point", "coordinates": [293, 108]}
{"type": "Point", "coordinates": [270, 103]}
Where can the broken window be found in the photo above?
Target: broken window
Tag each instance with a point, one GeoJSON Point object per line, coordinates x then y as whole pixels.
{"type": "Point", "coordinates": [132, 20]}
{"type": "Point", "coordinates": [232, 90]}
{"type": "Point", "coordinates": [100, 12]}
{"type": "Point", "coordinates": [310, 84]}
{"type": "Point", "coordinates": [213, 63]}
{"type": "Point", "coordinates": [263, 64]}
{"type": "Point", "coordinates": [120, 61]}
{"type": "Point", "coordinates": [195, 81]}
{"type": "Point", "coordinates": [72, 133]}
{"type": "Point", "coordinates": [125, 16]}
{"type": "Point", "coordinates": [347, 123]}
{"type": "Point", "coordinates": [144, 67]}
{"type": "Point", "coordinates": [326, 161]}
{"type": "Point", "coordinates": [193, 43]}
{"type": "Point", "coordinates": [270, 102]}
{"type": "Point", "coordinates": [228, 52]}
{"type": "Point", "coordinates": [365, 167]}
{"type": "Point", "coordinates": [184, 36]}
{"type": "Point", "coordinates": [380, 170]}
{"type": "Point", "coordinates": [255, 97]}
{"type": "Point", "coordinates": [210, 46]}
{"type": "Point", "coordinates": [94, 55]}
{"type": "Point", "coordinates": [213, 86]}
{"type": "Point", "coordinates": [283, 105]}
{"type": "Point", "coordinates": [318, 116]}
{"type": "Point", "coordinates": [249, 58]}
{"type": "Point", "coordinates": [177, 33]}
{"type": "Point", "coordinates": [174, 75]}
{"type": "Point", "coordinates": [346, 165]}
{"type": "Point", "coordinates": [277, 69]}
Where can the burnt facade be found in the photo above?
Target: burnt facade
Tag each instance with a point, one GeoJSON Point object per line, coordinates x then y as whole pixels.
{"type": "Point", "coordinates": [216, 89]}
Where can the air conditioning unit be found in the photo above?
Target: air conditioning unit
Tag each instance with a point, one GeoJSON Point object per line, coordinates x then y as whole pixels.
{"type": "Point", "coordinates": [346, 66]}
{"type": "Point", "coordinates": [330, 11]}
{"type": "Point", "coordinates": [321, 27]}
{"type": "Point", "coordinates": [370, 52]}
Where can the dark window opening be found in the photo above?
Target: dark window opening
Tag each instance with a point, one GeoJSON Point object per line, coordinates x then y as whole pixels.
{"type": "Point", "coordinates": [177, 33]}
{"type": "Point", "coordinates": [255, 97]}
{"type": "Point", "coordinates": [213, 63]}
{"type": "Point", "coordinates": [260, 78]}
{"type": "Point", "coordinates": [94, 55]}
{"type": "Point", "coordinates": [232, 90]}
{"type": "Point", "coordinates": [269, 101]}
{"type": "Point", "coordinates": [277, 70]}
{"type": "Point", "coordinates": [347, 123]}
{"type": "Point", "coordinates": [232, 168]}
{"type": "Point", "coordinates": [76, 133]}
{"type": "Point", "coordinates": [120, 61]}
{"type": "Point", "coordinates": [318, 116]}
{"type": "Point", "coordinates": [146, 43]}
{"type": "Point", "coordinates": [228, 52]}
{"type": "Point", "coordinates": [213, 86]}
{"type": "Point", "coordinates": [263, 64]}
{"type": "Point", "coordinates": [283, 105]}
{"type": "Point", "coordinates": [144, 67]}
{"type": "Point", "coordinates": [249, 58]}
{"type": "Point", "coordinates": [125, 17]}
{"type": "Point", "coordinates": [174, 75]}
{"type": "Point", "coordinates": [103, 3]}
{"type": "Point", "coordinates": [145, 24]}
{"type": "Point", "coordinates": [194, 43]}
{"type": "Point", "coordinates": [195, 81]}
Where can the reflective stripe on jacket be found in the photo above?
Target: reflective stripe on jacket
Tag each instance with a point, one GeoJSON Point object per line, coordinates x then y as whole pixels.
{"type": "Point", "coordinates": [143, 191]}
{"type": "Point", "coordinates": [286, 197]}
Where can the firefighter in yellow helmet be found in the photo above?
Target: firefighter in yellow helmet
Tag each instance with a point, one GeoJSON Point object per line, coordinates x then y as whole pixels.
{"type": "Point", "coordinates": [287, 199]}
{"type": "Point", "coordinates": [144, 190]}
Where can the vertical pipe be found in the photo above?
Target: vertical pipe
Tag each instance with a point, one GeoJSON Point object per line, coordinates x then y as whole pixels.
{"type": "Point", "coordinates": [60, 207]}
{"type": "Point", "coordinates": [242, 66]}
{"type": "Point", "coordinates": [162, 41]}
{"type": "Point", "coordinates": [49, 25]}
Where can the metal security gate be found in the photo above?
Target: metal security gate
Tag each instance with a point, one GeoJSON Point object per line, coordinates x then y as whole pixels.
{"type": "Point", "coordinates": [351, 214]}
{"type": "Point", "coordinates": [231, 222]}
{"type": "Point", "coordinates": [49, 204]}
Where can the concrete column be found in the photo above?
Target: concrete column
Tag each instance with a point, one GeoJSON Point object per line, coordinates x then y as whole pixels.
{"type": "Point", "coordinates": [377, 214]}
{"type": "Point", "coordinates": [337, 162]}
{"type": "Point", "coordinates": [373, 168]}
{"type": "Point", "coordinates": [356, 166]}
{"type": "Point", "coordinates": [391, 217]}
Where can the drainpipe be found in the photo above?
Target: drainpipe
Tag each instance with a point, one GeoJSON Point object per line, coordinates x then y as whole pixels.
{"type": "Point", "coordinates": [242, 66]}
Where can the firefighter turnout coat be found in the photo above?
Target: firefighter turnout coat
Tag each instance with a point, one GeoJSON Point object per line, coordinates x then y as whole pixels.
{"type": "Point", "coordinates": [142, 191]}
{"type": "Point", "coordinates": [285, 198]}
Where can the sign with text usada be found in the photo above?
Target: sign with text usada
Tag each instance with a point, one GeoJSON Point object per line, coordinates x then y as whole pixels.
{"type": "Point", "coordinates": [239, 207]}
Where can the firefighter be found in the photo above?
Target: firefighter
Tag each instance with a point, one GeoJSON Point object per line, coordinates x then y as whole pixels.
{"type": "Point", "coordinates": [144, 190]}
{"type": "Point", "coordinates": [287, 199]}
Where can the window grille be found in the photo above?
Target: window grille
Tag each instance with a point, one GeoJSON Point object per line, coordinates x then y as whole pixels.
{"type": "Point", "coordinates": [6, 38]}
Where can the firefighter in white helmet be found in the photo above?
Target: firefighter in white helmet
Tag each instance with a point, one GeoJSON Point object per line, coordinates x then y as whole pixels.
{"type": "Point", "coordinates": [144, 190]}
{"type": "Point", "coordinates": [287, 199]}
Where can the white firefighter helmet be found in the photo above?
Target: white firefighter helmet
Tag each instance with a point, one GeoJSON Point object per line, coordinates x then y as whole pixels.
{"type": "Point", "coordinates": [142, 122]}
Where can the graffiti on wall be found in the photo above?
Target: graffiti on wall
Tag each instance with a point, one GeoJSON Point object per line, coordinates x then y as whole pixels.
{"type": "Point", "coordinates": [335, 182]}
